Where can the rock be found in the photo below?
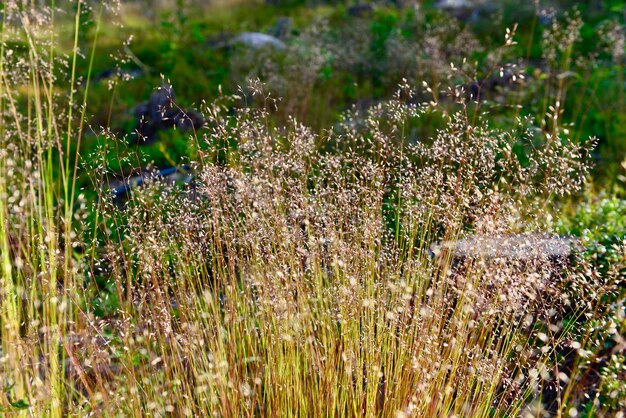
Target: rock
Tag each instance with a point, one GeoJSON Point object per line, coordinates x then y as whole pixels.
{"type": "Point", "coordinates": [257, 40]}
{"type": "Point", "coordinates": [360, 9]}
{"type": "Point", "coordinates": [545, 16]}
{"type": "Point", "coordinates": [120, 189]}
{"type": "Point", "coordinates": [111, 73]}
{"type": "Point", "coordinates": [282, 28]}
{"type": "Point", "coordinates": [497, 82]}
{"type": "Point", "coordinates": [466, 10]}
{"type": "Point", "coordinates": [161, 103]}
{"type": "Point", "coordinates": [512, 247]}
{"type": "Point", "coordinates": [161, 113]}
{"type": "Point", "coordinates": [218, 40]}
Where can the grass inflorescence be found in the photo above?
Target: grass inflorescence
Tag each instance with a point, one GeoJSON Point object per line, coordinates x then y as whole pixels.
{"type": "Point", "coordinates": [298, 273]}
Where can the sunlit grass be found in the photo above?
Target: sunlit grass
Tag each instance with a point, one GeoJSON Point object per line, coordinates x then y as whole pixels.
{"type": "Point", "coordinates": [295, 276]}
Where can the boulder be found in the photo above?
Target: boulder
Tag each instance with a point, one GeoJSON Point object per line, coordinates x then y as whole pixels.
{"type": "Point", "coordinates": [512, 247]}
{"type": "Point", "coordinates": [282, 28]}
{"type": "Point", "coordinates": [114, 73]}
{"type": "Point", "coordinates": [360, 9]}
{"type": "Point", "coordinates": [466, 10]}
{"type": "Point", "coordinates": [258, 40]}
{"type": "Point", "coordinates": [159, 113]}
{"type": "Point", "coordinates": [120, 189]}
{"type": "Point", "coordinates": [496, 82]}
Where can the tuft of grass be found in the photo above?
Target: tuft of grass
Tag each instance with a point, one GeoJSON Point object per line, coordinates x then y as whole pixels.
{"type": "Point", "coordinates": [295, 274]}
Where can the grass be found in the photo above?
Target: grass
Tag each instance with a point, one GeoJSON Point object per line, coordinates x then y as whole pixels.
{"type": "Point", "coordinates": [295, 275]}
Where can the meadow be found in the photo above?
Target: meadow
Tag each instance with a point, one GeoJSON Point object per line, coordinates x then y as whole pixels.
{"type": "Point", "coordinates": [311, 208]}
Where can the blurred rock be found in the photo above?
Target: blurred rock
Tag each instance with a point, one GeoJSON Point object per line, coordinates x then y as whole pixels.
{"type": "Point", "coordinates": [111, 73]}
{"type": "Point", "coordinates": [545, 16]}
{"type": "Point", "coordinates": [282, 28]}
{"type": "Point", "coordinates": [497, 82]}
{"type": "Point", "coordinates": [466, 10]}
{"type": "Point", "coordinates": [218, 40]}
{"type": "Point", "coordinates": [360, 9]}
{"type": "Point", "coordinates": [512, 247]}
{"type": "Point", "coordinates": [258, 40]}
{"type": "Point", "coordinates": [120, 189]}
{"type": "Point", "coordinates": [161, 113]}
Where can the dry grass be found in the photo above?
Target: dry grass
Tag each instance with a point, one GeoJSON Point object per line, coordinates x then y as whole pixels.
{"type": "Point", "coordinates": [294, 278]}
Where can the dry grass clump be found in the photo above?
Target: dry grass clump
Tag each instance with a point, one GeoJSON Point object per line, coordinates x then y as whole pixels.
{"type": "Point", "coordinates": [294, 277]}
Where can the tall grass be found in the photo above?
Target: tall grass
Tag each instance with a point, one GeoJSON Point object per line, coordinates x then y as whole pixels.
{"type": "Point", "coordinates": [294, 278]}
{"type": "Point", "coordinates": [40, 142]}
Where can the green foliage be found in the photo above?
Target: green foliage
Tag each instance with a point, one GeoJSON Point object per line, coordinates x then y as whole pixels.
{"type": "Point", "coordinates": [602, 225]}
{"type": "Point", "coordinates": [613, 389]}
{"type": "Point", "coordinates": [188, 46]}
